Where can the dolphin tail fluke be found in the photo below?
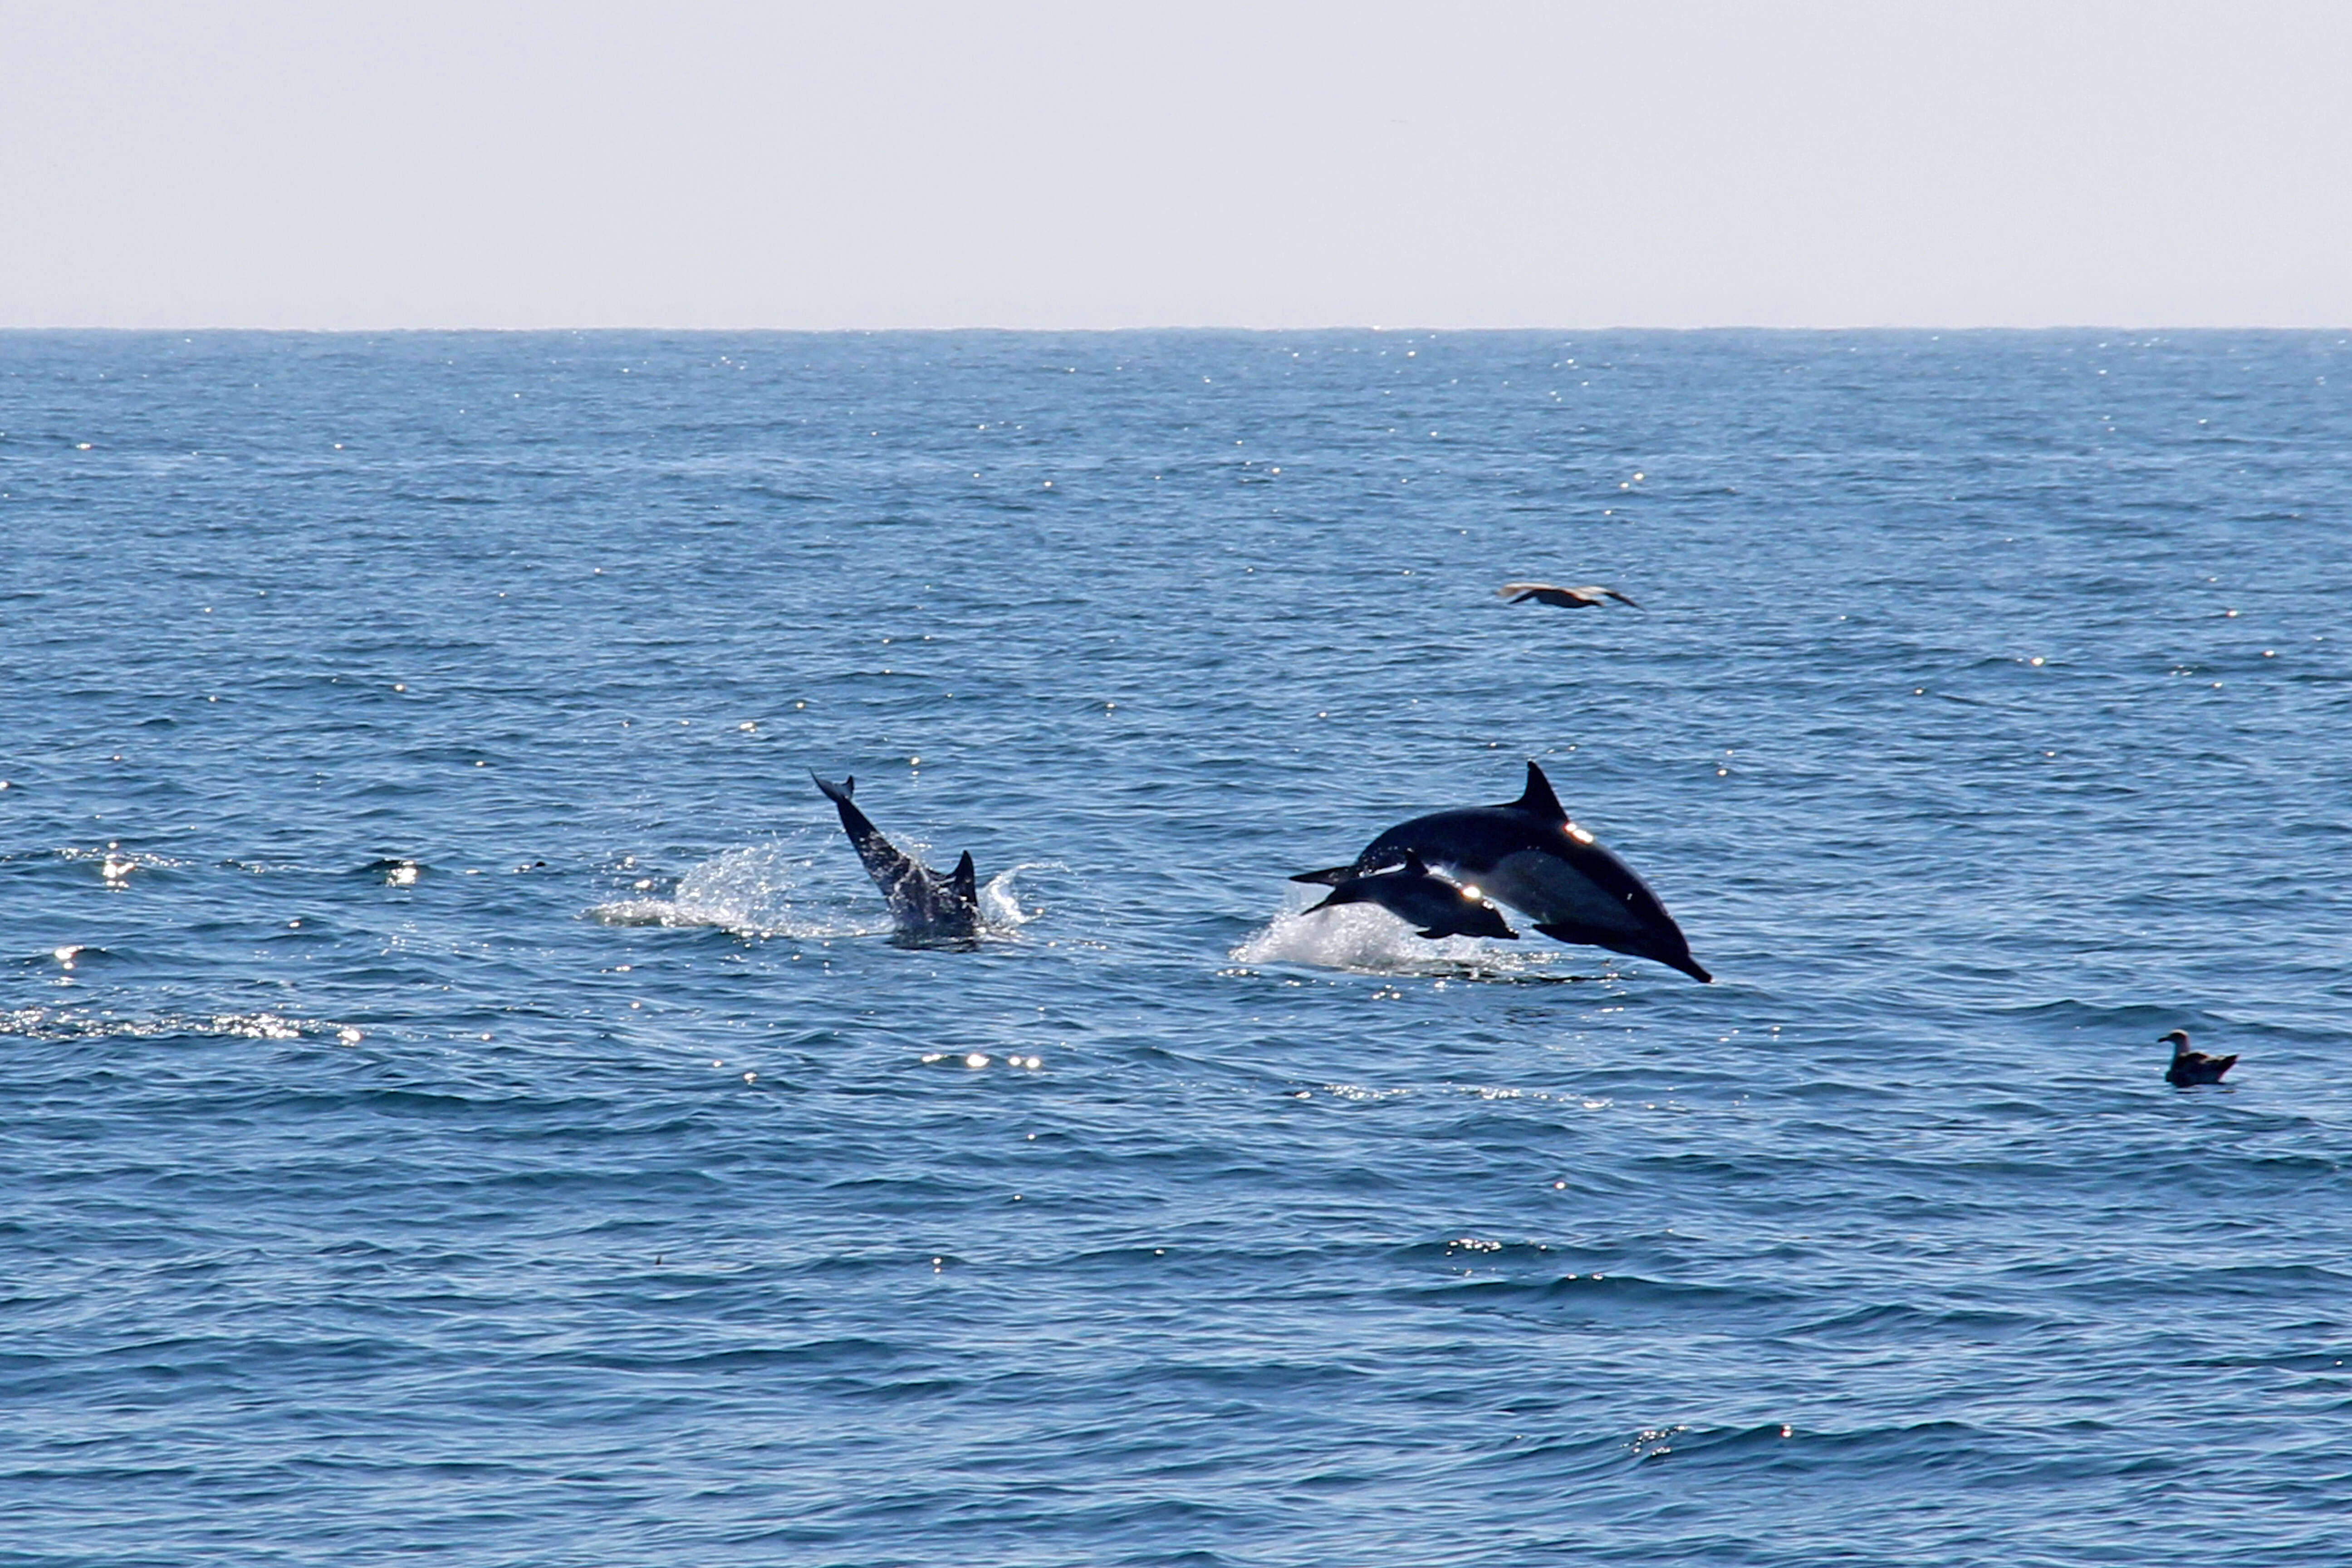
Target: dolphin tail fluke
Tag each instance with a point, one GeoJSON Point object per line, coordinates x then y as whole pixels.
{"type": "Point", "coordinates": [1329, 877]}
{"type": "Point", "coordinates": [854, 822]}
{"type": "Point", "coordinates": [882, 862]}
{"type": "Point", "coordinates": [965, 882]}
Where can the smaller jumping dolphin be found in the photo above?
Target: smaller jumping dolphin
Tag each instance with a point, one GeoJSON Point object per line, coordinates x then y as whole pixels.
{"type": "Point", "coordinates": [923, 903]}
{"type": "Point", "coordinates": [1439, 905]}
{"type": "Point", "coordinates": [1526, 853]}
{"type": "Point", "coordinates": [1579, 598]}
{"type": "Point", "coordinates": [2192, 1067]}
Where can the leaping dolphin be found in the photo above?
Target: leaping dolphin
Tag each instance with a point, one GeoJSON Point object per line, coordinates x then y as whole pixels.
{"type": "Point", "coordinates": [1438, 905]}
{"type": "Point", "coordinates": [923, 903]}
{"type": "Point", "coordinates": [1526, 853]}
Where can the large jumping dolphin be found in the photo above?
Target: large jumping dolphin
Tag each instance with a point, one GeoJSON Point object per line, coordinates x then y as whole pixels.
{"type": "Point", "coordinates": [1526, 853]}
{"type": "Point", "coordinates": [1438, 905]}
{"type": "Point", "coordinates": [923, 903]}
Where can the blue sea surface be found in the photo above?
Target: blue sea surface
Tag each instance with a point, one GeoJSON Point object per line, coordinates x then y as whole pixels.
{"type": "Point", "coordinates": [464, 1101]}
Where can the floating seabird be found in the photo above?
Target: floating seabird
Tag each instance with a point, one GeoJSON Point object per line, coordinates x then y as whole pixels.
{"type": "Point", "coordinates": [1579, 598]}
{"type": "Point", "coordinates": [2192, 1067]}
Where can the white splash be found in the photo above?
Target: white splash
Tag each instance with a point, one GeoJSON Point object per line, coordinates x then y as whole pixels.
{"type": "Point", "coordinates": [1369, 940]}
{"type": "Point", "coordinates": [773, 889]}
{"type": "Point", "coordinates": [762, 889]}
{"type": "Point", "coordinates": [1000, 897]}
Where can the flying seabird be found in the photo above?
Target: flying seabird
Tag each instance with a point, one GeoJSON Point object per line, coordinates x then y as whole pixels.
{"type": "Point", "coordinates": [2192, 1067]}
{"type": "Point", "coordinates": [1578, 598]}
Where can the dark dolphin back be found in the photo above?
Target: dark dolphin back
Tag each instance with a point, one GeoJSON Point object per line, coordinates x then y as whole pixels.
{"type": "Point", "coordinates": [1449, 838]}
{"type": "Point", "coordinates": [1473, 831]}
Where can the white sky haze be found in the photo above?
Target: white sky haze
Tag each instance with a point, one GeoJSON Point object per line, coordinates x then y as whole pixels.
{"type": "Point", "coordinates": [536, 164]}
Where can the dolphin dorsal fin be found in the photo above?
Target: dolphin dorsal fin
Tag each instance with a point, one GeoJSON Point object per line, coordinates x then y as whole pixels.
{"type": "Point", "coordinates": [1414, 865]}
{"type": "Point", "coordinates": [965, 882]}
{"type": "Point", "coordinates": [1539, 800]}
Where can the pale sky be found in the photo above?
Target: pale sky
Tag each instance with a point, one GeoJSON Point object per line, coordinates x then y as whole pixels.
{"type": "Point", "coordinates": [536, 163]}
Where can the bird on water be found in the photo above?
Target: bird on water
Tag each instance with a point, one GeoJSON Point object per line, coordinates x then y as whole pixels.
{"type": "Point", "coordinates": [2192, 1067]}
{"type": "Point", "coordinates": [1579, 598]}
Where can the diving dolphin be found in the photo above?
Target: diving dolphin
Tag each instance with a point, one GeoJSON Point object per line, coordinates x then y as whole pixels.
{"type": "Point", "coordinates": [1526, 853]}
{"type": "Point", "coordinates": [923, 903]}
{"type": "Point", "coordinates": [1418, 895]}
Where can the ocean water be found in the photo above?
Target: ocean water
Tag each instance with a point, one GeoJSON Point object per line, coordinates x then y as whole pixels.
{"type": "Point", "coordinates": [465, 1103]}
